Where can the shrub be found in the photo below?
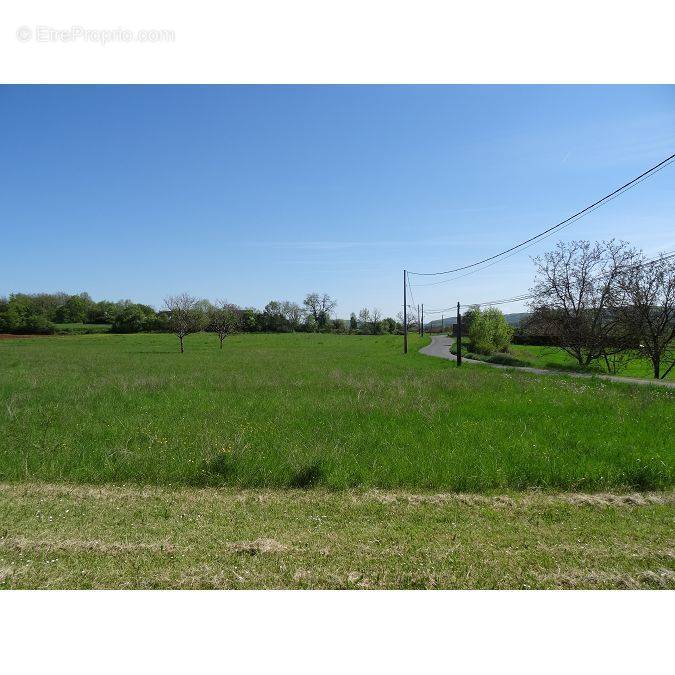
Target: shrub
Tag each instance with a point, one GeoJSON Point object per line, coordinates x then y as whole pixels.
{"type": "Point", "coordinates": [501, 331]}
{"type": "Point", "coordinates": [488, 331]}
{"type": "Point", "coordinates": [37, 325]}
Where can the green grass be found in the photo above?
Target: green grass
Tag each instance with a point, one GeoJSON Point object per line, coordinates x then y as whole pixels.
{"type": "Point", "coordinates": [303, 410]}
{"type": "Point", "coordinates": [539, 356]}
{"type": "Point", "coordinates": [552, 357]}
{"type": "Point", "coordinates": [82, 328]}
{"type": "Point", "coordinates": [503, 359]}
{"type": "Point", "coordinates": [59, 536]}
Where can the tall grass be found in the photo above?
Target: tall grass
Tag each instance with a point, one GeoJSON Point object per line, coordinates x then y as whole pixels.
{"type": "Point", "coordinates": [303, 410]}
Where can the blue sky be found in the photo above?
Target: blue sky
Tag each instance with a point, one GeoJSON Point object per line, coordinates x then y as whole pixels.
{"type": "Point", "coordinates": [253, 193]}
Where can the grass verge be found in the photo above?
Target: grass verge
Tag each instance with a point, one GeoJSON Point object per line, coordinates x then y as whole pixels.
{"type": "Point", "coordinates": [554, 358]}
{"type": "Point", "coordinates": [66, 536]}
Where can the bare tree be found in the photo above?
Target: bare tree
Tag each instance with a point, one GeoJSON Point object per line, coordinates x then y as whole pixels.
{"type": "Point", "coordinates": [320, 307]}
{"type": "Point", "coordinates": [411, 319]}
{"type": "Point", "coordinates": [186, 315]}
{"type": "Point", "coordinates": [647, 310]}
{"type": "Point", "coordinates": [223, 319]}
{"type": "Point", "coordinates": [575, 296]}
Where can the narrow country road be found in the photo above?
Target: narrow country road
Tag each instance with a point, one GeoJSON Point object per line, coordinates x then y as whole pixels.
{"type": "Point", "coordinates": [440, 347]}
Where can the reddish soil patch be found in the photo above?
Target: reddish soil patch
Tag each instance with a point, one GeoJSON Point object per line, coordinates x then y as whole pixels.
{"type": "Point", "coordinates": [12, 336]}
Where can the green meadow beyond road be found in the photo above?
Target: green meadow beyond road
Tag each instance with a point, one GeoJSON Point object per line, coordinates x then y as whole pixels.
{"type": "Point", "coordinates": [440, 347]}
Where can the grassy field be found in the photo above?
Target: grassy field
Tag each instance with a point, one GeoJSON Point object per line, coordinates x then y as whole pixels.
{"type": "Point", "coordinates": [65, 536]}
{"type": "Point", "coordinates": [540, 356]}
{"type": "Point", "coordinates": [303, 410]}
{"type": "Point", "coordinates": [82, 328]}
{"type": "Point", "coordinates": [552, 357]}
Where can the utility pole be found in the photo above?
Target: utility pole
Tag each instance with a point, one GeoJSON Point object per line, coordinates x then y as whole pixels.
{"type": "Point", "coordinates": [422, 325]}
{"type": "Point", "coordinates": [419, 330]}
{"type": "Point", "coordinates": [459, 337]}
{"type": "Point", "coordinates": [442, 324]}
{"type": "Point", "coordinates": [405, 316]}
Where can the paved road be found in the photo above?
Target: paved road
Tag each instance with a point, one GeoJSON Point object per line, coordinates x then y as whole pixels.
{"type": "Point", "coordinates": [440, 347]}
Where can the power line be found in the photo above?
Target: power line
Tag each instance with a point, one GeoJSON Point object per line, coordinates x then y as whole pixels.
{"type": "Point", "coordinates": [533, 243]}
{"type": "Point", "coordinates": [487, 303]}
{"type": "Point", "coordinates": [666, 255]}
{"type": "Point", "coordinates": [412, 297]}
{"type": "Point", "coordinates": [612, 195]}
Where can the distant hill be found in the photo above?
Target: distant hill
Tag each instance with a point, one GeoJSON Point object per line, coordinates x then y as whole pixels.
{"type": "Point", "coordinates": [514, 319]}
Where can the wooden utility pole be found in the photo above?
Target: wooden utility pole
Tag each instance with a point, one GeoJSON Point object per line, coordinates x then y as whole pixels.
{"type": "Point", "coordinates": [422, 325]}
{"type": "Point", "coordinates": [405, 316]}
{"type": "Point", "coordinates": [442, 324]}
{"type": "Point", "coordinates": [459, 337]}
{"type": "Point", "coordinates": [419, 330]}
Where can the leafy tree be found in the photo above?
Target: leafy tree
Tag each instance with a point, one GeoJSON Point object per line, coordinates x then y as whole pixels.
{"type": "Point", "coordinates": [340, 326]}
{"type": "Point", "coordinates": [273, 316]}
{"type": "Point", "coordinates": [75, 309]}
{"type": "Point", "coordinates": [311, 324]}
{"type": "Point", "coordinates": [389, 325]}
{"type": "Point", "coordinates": [8, 319]}
{"type": "Point", "coordinates": [157, 321]}
{"type": "Point", "coordinates": [4, 308]}
{"type": "Point", "coordinates": [22, 315]}
{"type": "Point", "coordinates": [18, 309]}
{"type": "Point", "coordinates": [37, 324]}
{"type": "Point", "coordinates": [131, 319]}
{"type": "Point", "coordinates": [469, 316]}
{"type": "Point", "coordinates": [103, 312]}
{"type": "Point", "coordinates": [364, 320]}
{"type": "Point", "coordinates": [353, 325]}
{"type": "Point", "coordinates": [320, 307]}
{"type": "Point", "coordinates": [45, 304]}
{"type": "Point", "coordinates": [293, 313]}
{"type": "Point", "coordinates": [249, 320]}
{"type": "Point", "coordinates": [375, 317]}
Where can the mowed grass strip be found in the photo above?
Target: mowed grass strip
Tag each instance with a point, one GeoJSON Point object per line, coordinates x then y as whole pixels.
{"type": "Point", "coordinates": [61, 536]}
{"type": "Point", "coordinates": [304, 410]}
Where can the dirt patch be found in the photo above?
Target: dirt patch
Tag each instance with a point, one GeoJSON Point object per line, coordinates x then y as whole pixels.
{"type": "Point", "coordinates": [221, 495]}
{"type": "Point", "coordinates": [515, 500]}
{"type": "Point", "coordinates": [104, 492]}
{"type": "Point", "coordinates": [23, 544]}
{"type": "Point", "coordinates": [661, 578]}
{"type": "Point", "coordinates": [11, 336]}
{"type": "Point", "coordinates": [611, 499]}
{"type": "Point", "coordinates": [259, 546]}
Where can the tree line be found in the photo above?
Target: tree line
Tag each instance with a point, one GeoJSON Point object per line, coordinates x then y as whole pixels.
{"type": "Point", "coordinates": [37, 313]}
{"type": "Point", "coordinates": [40, 313]}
